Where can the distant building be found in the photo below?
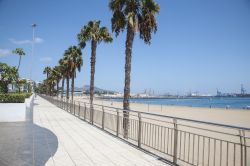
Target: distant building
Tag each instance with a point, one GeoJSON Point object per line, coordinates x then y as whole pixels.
{"type": "Point", "coordinates": [112, 95]}
{"type": "Point", "coordinates": [218, 93]}
{"type": "Point", "coordinates": [23, 88]}
{"type": "Point", "coordinates": [242, 90]}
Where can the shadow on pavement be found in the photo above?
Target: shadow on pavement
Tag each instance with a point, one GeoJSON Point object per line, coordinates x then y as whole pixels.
{"type": "Point", "coordinates": [25, 143]}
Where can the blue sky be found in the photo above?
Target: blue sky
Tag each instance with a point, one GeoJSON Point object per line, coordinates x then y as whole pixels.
{"type": "Point", "coordinates": [200, 45]}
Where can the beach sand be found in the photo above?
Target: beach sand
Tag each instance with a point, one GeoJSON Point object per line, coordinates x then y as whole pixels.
{"type": "Point", "coordinates": [198, 144]}
{"type": "Point", "coordinates": [235, 117]}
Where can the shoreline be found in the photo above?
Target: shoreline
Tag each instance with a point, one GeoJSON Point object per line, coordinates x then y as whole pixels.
{"type": "Point", "coordinates": [227, 107]}
{"type": "Point", "coordinates": [237, 117]}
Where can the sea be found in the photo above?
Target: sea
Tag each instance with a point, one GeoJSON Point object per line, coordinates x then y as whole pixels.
{"type": "Point", "coordinates": [210, 102]}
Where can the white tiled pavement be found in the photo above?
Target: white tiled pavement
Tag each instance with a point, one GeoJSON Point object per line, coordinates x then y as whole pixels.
{"type": "Point", "coordinates": [81, 144]}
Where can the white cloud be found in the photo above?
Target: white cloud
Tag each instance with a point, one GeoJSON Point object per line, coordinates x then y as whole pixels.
{"type": "Point", "coordinates": [39, 40]}
{"type": "Point", "coordinates": [45, 59]}
{"type": "Point", "coordinates": [19, 42]}
{"type": "Point", "coordinates": [4, 52]}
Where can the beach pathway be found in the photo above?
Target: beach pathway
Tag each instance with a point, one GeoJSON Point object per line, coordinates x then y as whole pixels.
{"type": "Point", "coordinates": [71, 141]}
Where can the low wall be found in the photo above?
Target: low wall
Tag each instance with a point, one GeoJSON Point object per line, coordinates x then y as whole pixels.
{"type": "Point", "coordinates": [16, 112]}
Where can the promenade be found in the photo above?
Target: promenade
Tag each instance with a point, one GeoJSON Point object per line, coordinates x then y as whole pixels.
{"type": "Point", "coordinates": [57, 138]}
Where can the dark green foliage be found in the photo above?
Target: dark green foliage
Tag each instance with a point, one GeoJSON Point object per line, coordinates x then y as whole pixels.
{"type": "Point", "coordinates": [8, 75]}
{"type": "Point", "coordinates": [14, 97]}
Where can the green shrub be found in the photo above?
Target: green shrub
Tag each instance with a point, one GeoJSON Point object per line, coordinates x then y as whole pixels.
{"type": "Point", "coordinates": [14, 97]}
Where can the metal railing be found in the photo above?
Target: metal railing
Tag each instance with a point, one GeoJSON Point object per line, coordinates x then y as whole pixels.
{"type": "Point", "coordinates": [181, 141]}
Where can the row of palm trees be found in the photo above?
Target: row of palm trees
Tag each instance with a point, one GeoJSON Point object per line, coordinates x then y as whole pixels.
{"type": "Point", "coordinates": [130, 15]}
{"type": "Point", "coordinates": [65, 70]}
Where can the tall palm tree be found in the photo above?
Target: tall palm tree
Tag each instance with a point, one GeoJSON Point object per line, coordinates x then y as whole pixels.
{"type": "Point", "coordinates": [57, 75]}
{"type": "Point", "coordinates": [75, 63]}
{"type": "Point", "coordinates": [67, 71]}
{"type": "Point", "coordinates": [47, 71]}
{"type": "Point", "coordinates": [92, 32]}
{"type": "Point", "coordinates": [132, 15]}
{"type": "Point", "coordinates": [50, 82]}
{"type": "Point", "coordinates": [62, 67]}
{"type": "Point", "coordinates": [20, 52]}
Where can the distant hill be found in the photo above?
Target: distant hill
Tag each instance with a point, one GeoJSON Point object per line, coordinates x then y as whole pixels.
{"type": "Point", "coordinates": [96, 89]}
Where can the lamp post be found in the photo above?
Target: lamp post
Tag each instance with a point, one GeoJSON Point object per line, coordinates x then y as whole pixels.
{"type": "Point", "coordinates": [32, 52]}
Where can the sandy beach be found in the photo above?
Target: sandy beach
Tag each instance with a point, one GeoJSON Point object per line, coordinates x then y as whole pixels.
{"type": "Point", "coordinates": [218, 144]}
{"type": "Point", "coordinates": [235, 117]}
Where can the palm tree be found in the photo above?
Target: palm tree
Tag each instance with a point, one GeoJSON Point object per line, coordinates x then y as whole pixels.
{"type": "Point", "coordinates": [95, 34]}
{"type": "Point", "coordinates": [75, 63]}
{"type": "Point", "coordinates": [20, 52]}
{"type": "Point", "coordinates": [57, 75]}
{"type": "Point", "coordinates": [132, 15]}
{"type": "Point", "coordinates": [62, 67]}
{"type": "Point", "coordinates": [50, 82]}
{"type": "Point", "coordinates": [47, 71]}
{"type": "Point", "coordinates": [67, 72]}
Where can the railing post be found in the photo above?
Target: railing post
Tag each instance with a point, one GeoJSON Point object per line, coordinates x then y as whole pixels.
{"type": "Point", "coordinates": [74, 108]}
{"type": "Point", "coordinates": [139, 130]}
{"type": "Point", "coordinates": [64, 104]}
{"type": "Point", "coordinates": [79, 109]}
{"type": "Point", "coordinates": [92, 113]}
{"type": "Point", "coordinates": [71, 107]}
{"type": "Point", "coordinates": [245, 147]}
{"type": "Point", "coordinates": [60, 103]}
{"type": "Point", "coordinates": [175, 141]}
{"type": "Point", "coordinates": [117, 122]}
{"type": "Point", "coordinates": [243, 151]}
{"type": "Point", "coordinates": [67, 105]}
{"type": "Point", "coordinates": [103, 117]}
{"type": "Point", "coordinates": [85, 111]}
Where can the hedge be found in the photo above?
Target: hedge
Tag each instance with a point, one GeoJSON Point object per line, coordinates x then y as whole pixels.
{"type": "Point", "coordinates": [14, 97]}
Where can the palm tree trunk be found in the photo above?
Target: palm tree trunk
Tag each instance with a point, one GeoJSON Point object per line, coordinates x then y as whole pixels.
{"type": "Point", "coordinates": [50, 87]}
{"type": "Point", "coordinates": [72, 86]}
{"type": "Point", "coordinates": [128, 52]}
{"type": "Point", "coordinates": [19, 62]}
{"type": "Point", "coordinates": [62, 88]}
{"type": "Point", "coordinates": [67, 93]}
{"type": "Point", "coordinates": [47, 89]}
{"type": "Point", "coordinates": [57, 88]}
{"type": "Point", "coordinates": [92, 76]}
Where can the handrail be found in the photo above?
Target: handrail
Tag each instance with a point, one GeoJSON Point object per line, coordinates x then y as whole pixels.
{"type": "Point", "coordinates": [174, 117]}
{"type": "Point", "coordinates": [174, 141]}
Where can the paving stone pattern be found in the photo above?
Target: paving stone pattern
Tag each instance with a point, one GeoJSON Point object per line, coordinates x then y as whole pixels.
{"type": "Point", "coordinates": [57, 138]}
